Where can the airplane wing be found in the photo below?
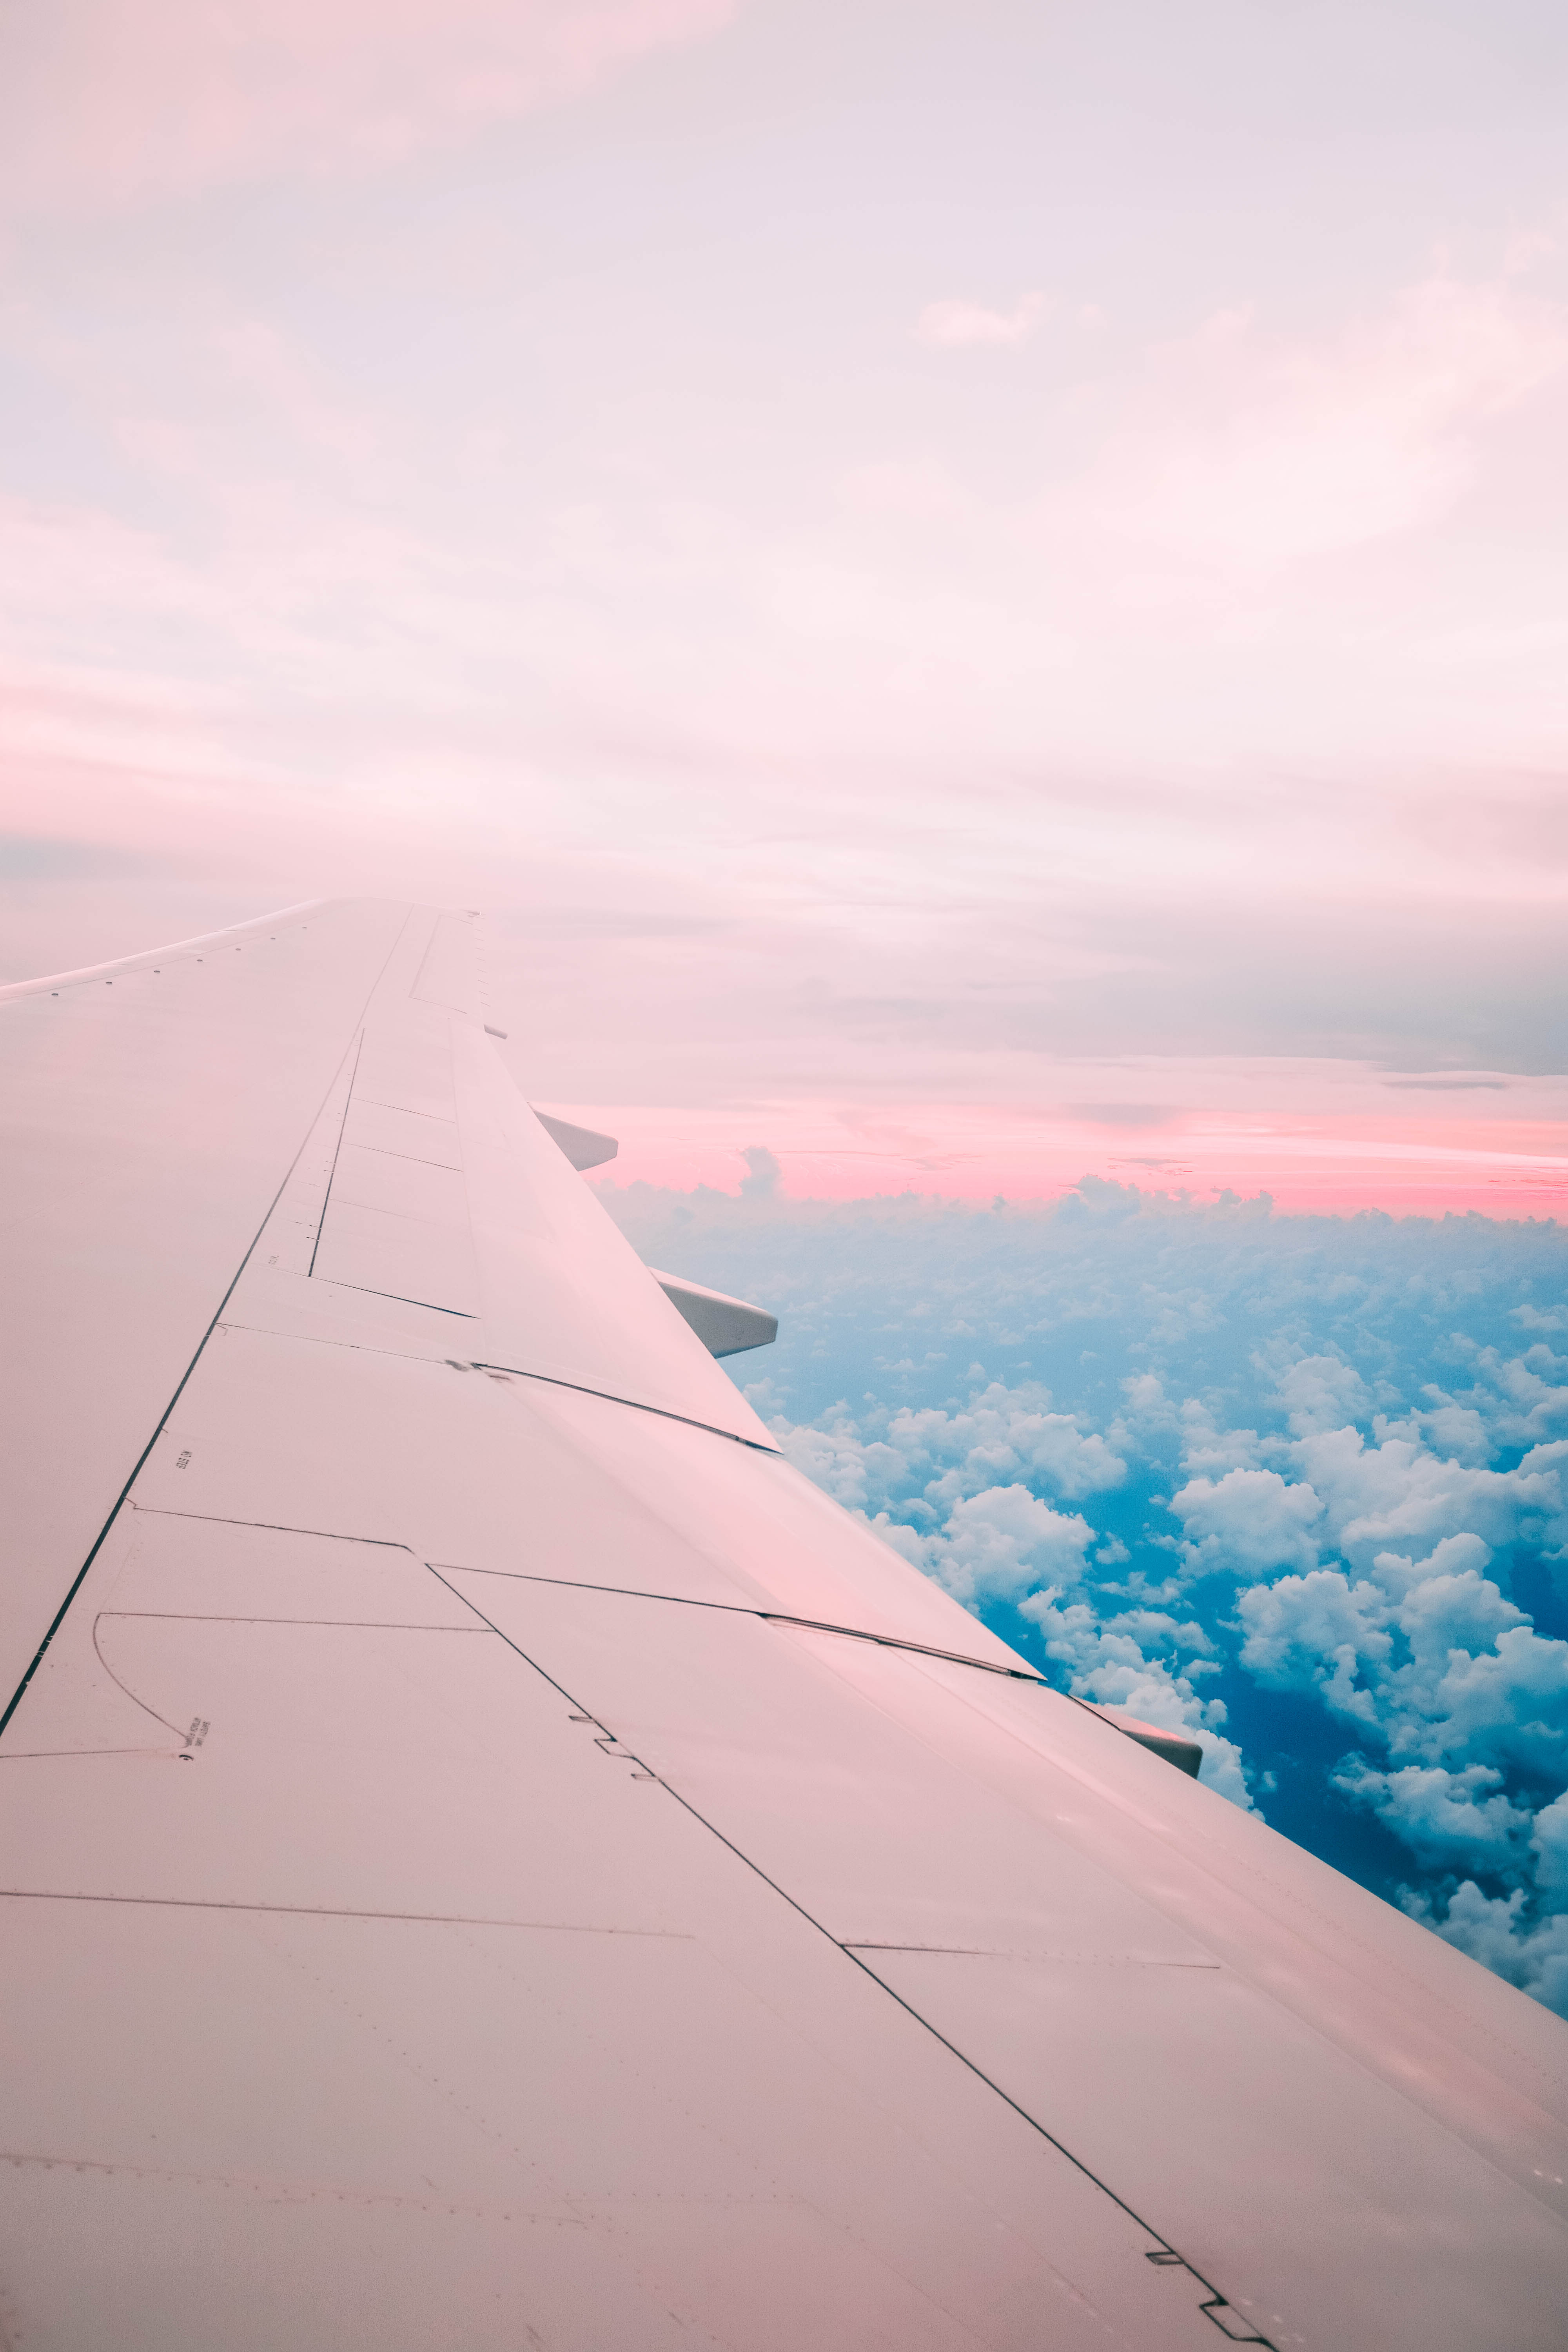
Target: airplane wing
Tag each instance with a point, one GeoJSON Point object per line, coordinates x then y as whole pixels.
{"type": "Point", "coordinates": [490, 1858]}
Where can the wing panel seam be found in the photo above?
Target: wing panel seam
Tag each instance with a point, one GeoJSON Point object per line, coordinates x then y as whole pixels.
{"type": "Point", "coordinates": [342, 1123]}
{"type": "Point", "coordinates": [99, 1541]}
{"type": "Point", "coordinates": [768, 1617]}
{"type": "Point", "coordinates": [636, 1405]}
{"type": "Point", "coordinates": [1163, 2252]}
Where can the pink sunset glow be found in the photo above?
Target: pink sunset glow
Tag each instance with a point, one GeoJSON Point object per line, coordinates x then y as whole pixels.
{"type": "Point", "coordinates": [980, 595]}
{"type": "Point", "coordinates": [1314, 1162]}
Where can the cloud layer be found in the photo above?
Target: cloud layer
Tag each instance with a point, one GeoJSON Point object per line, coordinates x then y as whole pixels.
{"type": "Point", "coordinates": [1298, 1485]}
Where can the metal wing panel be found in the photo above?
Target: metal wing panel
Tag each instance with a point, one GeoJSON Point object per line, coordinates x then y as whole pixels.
{"type": "Point", "coordinates": [392, 1928]}
{"type": "Point", "coordinates": [418, 2175]}
{"type": "Point", "coordinates": [566, 1297]}
{"type": "Point", "coordinates": [1475, 2053]}
{"type": "Point", "coordinates": [860, 1821]}
{"type": "Point", "coordinates": [1281, 2153]}
{"type": "Point", "coordinates": [524, 1256]}
{"type": "Point", "coordinates": [1334, 2211]}
{"type": "Point", "coordinates": [449, 973]}
{"type": "Point", "coordinates": [149, 1112]}
{"type": "Point", "coordinates": [553, 1484]}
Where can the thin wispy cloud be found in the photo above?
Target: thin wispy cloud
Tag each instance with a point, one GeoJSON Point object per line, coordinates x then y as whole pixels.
{"type": "Point", "coordinates": [111, 101]}
{"type": "Point", "coordinates": [1263, 449]}
{"type": "Point", "coordinates": [959, 324]}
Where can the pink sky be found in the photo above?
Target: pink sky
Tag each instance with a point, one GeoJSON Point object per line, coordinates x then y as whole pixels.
{"type": "Point", "coordinates": [1307, 1163]}
{"type": "Point", "coordinates": [980, 595]}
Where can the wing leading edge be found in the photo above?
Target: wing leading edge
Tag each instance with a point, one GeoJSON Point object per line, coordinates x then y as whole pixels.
{"type": "Point", "coordinates": [491, 1856]}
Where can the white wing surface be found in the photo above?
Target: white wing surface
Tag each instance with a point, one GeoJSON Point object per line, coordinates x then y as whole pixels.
{"type": "Point", "coordinates": [492, 1859]}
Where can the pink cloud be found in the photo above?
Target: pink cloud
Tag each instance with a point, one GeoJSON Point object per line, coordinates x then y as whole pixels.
{"type": "Point", "coordinates": [1258, 449]}
{"type": "Point", "coordinates": [111, 100]}
{"type": "Point", "coordinates": [960, 324]}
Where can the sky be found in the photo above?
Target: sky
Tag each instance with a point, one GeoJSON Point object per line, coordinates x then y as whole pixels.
{"type": "Point", "coordinates": [978, 593]}
{"type": "Point", "coordinates": [977, 590]}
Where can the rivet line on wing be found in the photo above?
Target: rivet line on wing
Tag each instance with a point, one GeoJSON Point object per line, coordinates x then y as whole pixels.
{"type": "Point", "coordinates": [578, 1388]}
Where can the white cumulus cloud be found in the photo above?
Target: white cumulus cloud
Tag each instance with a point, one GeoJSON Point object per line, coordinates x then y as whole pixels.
{"type": "Point", "coordinates": [1248, 1466]}
{"type": "Point", "coordinates": [1249, 1519]}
